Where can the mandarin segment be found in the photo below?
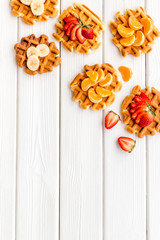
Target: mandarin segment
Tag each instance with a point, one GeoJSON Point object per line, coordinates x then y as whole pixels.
{"type": "Point", "coordinates": [93, 97]}
{"type": "Point", "coordinates": [126, 73]}
{"type": "Point", "coordinates": [103, 92]}
{"type": "Point", "coordinates": [93, 75]}
{"type": "Point", "coordinates": [126, 42]}
{"type": "Point", "coordinates": [125, 32]}
{"type": "Point", "coordinates": [139, 39]}
{"type": "Point", "coordinates": [147, 24]}
{"type": "Point", "coordinates": [134, 23]}
{"type": "Point", "coordinates": [101, 74]}
{"type": "Point", "coordinates": [106, 81]}
{"type": "Point", "coordinates": [86, 84]}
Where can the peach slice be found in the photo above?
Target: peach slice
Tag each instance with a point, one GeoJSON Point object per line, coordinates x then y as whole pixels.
{"type": "Point", "coordinates": [125, 32]}
{"type": "Point", "coordinates": [134, 23]}
{"type": "Point", "coordinates": [139, 39]}
{"type": "Point", "coordinates": [106, 81]}
{"type": "Point", "coordinates": [93, 75]}
{"type": "Point", "coordinates": [101, 74]}
{"type": "Point", "coordinates": [126, 42]}
{"type": "Point", "coordinates": [86, 84]}
{"type": "Point", "coordinates": [93, 97]}
{"type": "Point", "coordinates": [147, 24]}
{"type": "Point", "coordinates": [103, 92]}
{"type": "Point", "coordinates": [126, 73]}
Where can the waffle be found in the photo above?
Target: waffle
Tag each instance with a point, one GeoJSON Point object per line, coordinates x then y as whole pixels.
{"type": "Point", "coordinates": [24, 11]}
{"type": "Point", "coordinates": [46, 63]}
{"type": "Point", "coordinates": [87, 17]}
{"type": "Point", "coordinates": [82, 96]}
{"type": "Point", "coordinates": [132, 127]}
{"type": "Point", "coordinates": [123, 19]}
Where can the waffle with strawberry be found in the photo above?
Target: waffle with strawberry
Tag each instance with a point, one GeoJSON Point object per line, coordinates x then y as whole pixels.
{"type": "Point", "coordinates": [34, 10]}
{"type": "Point", "coordinates": [79, 29]}
{"type": "Point", "coordinates": [134, 32]}
{"type": "Point", "coordinates": [95, 87]}
{"type": "Point", "coordinates": [141, 111]}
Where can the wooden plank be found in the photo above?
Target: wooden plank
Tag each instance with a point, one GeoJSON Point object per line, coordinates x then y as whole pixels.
{"type": "Point", "coordinates": [8, 106]}
{"type": "Point", "coordinates": [124, 174]}
{"type": "Point", "coordinates": [38, 148]}
{"type": "Point", "coordinates": [81, 152]}
{"type": "Point", "coordinates": [153, 150]}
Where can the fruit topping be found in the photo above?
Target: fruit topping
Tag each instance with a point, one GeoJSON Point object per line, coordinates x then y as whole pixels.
{"type": "Point", "coordinates": [69, 19]}
{"type": "Point", "coordinates": [100, 74]}
{"type": "Point", "coordinates": [32, 51]}
{"type": "Point", "coordinates": [126, 73]}
{"type": "Point", "coordinates": [103, 92]}
{"type": "Point", "coordinates": [93, 75]}
{"type": "Point", "coordinates": [33, 63]}
{"type": "Point", "coordinates": [86, 84]}
{"type": "Point", "coordinates": [37, 7]}
{"type": "Point", "coordinates": [127, 144]}
{"type": "Point", "coordinates": [147, 24]}
{"type": "Point", "coordinates": [126, 42]}
{"type": "Point", "coordinates": [134, 23]}
{"type": "Point", "coordinates": [93, 97]}
{"type": "Point", "coordinates": [87, 32]}
{"type": "Point", "coordinates": [111, 119]}
{"type": "Point", "coordinates": [145, 97]}
{"type": "Point", "coordinates": [80, 36]}
{"type": "Point", "coordinates": [124, 31]}
{"type": "Point", "coordinates": [106, 81]}
{"type": "Point", "coordinates": [67, 25]}
{"type": "Point", "coordinates": [43, 50]}
{"type": "Point", "coordinates": [139, 39]}
{"type": "Point", "coordinates": [26, 2]}
{"type": "Point", "coordinates": [74, 32]}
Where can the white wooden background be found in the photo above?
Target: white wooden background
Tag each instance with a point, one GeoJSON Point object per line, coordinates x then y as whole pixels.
{"type": "Point", "coordinates": [62, 175]}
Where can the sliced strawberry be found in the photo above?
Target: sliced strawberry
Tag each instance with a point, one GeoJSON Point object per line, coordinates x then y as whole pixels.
{"type": "Point", "coordinates": [80, 37]}
{"type": "Point", "coordinates": [141, 107]}
{"type": "Point", "coordinates": [134, 104]}
{"type": "Point", "coordinates": [87, 33]}
{"type": "Point", "coordinates": [111, 119]}
{"type": "Point", "coordinates": [146, 119]}
{"type": "Point", "coordinates": [135, 114]}
{"type": "Point", "coordinates": [68, 32]}
{"type": "Point", "coordinates": [127, 144]}
{"type": "Point", "coordinates": [138, 118]}
{"type": "Point", "coordinates": [69, 19]}
{"type": "Point", "coordinates": [66, 26]}
{"type": "Point", "coordinates": [145, 97]}
{"type": "Point", "coordinates": [138, 99]}
{"type": "Point", "coordinates": [73, 32]}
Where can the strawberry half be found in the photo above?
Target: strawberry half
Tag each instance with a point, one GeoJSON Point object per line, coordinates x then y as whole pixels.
{"type": "Point", "coordinates": [127, 144]}
{"type": "Point", "coordinates": [73, 32]}
{"type": "Point", "coordinates": [87, 32]}
{"type": "Point", "coordinates": [80, 37]}
{"type": "Point", "coordinates": [111, 119]}
{"type": "Point", "coordinates": [66, 26]}
{"type": "Point", "coordinates": [145, 119]}
{"type": "Point", "coordinates": [69, 19]}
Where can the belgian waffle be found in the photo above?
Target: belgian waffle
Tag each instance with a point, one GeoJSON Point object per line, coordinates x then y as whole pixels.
{"type": "Point", "coordinates": [123, 19]}
{"type": "Point", "coordinates": [82, 96]}
{"type": "Point", "coordinates": [132, 127]}
{"type": "Point", "coordinates": [46, 63]}
{"type": "Point", "coordinates": [24, 11]}
{"type": "Point", "coordinates": [87, 17]}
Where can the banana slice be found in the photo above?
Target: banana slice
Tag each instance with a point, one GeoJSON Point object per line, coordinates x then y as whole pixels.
{"type": "Point", "coordinates": [33, 63]}
{"type": "Point", "coordinates": [26, 2]}
{"type": "Point", "coordinates": [37, 7]}
{"type": "Point", "coordinates": [32, 51]}
{"type": "Point", "coordinates": [43, 50]}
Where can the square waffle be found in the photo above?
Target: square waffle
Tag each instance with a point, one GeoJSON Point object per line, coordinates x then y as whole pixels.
{"type": "Point", "coordinates": [132, 127]}
{"type": "Point", "coordinates": [24, 11]}
{"type": "Point", "coordinates": [123, 19]}
{"type": "Point", "coordinates": [87, 17]}
{"type": "Point", "coordinates": [46, 63]}
{"type": "Point", "coordinates": [82, 96]}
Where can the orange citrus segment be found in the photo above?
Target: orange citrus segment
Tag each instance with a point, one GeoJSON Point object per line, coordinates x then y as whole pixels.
{"type": "Point", "coordinates": [86, 83]}
{"type": "Point", "coordinates": [126, 42]}
{"type": "Point", "coordinates": [134, 23]}
{"type": "Point", "coordinates": [100, 74]}
{"type": "Point", "coordinates": [93, 75]}
{"type": "Point", "coordinates": [106, 81]}
{"type": "Point", "coordinates": [93, 97]}
{"type": "Point", "coordinates": [103, 92]}
{"type": "Point", "coordinates": [126, 73]}
{"type": "Point", "coordinates": [147, 24]}
{"type": "Point", "coordinates": [125, 32]}
{"type": "Point", "coordinates": [139, 39]}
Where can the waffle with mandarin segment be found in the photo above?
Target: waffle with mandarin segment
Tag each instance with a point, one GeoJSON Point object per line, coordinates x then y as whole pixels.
{"type": "Point", "coordinates": [148, 39]}
{"type": "Point", "coordinates": [87, 17]}
{"type": "Point", "coordinates": [132, 127]}
{"type": "Point", "coordinates": [46, 64]}
{"type": "Point", "coordinates": [24, 11]}
{"type": "Point", "coordinates": [83, 96]}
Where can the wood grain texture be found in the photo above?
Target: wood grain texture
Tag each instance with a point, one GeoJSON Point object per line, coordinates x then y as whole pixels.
{"type": "Point", "coordinates": [8, 105]}
{"type": "Point", "coordinates": [124, 173]}
{"type": "Point", "coordinates": [81, 152]}
{"type": "Point", "coordinates": [153, 149]}
{"type": "Point", "coordinates": [38, 148]}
